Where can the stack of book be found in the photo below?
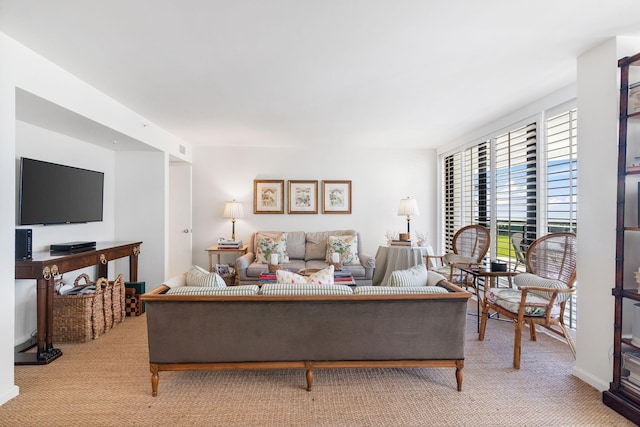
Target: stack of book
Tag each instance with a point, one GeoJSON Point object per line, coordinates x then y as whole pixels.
{"type": "Point", "coordinates": [230, 244]}
{"type": "Point", "coordinates": [401, 243]}
{"type": "Point", "coordinates": [631, 363]}
{"type": "Point", "coordinates": [267, 278]}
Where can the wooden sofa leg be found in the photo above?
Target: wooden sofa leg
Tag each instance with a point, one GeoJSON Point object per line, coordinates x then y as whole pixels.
{"type": "Point", "coordinates": [309, 368]}
{"type": "Point", "coordinates": [154, 379]}
{"type": "Point", "coordinates": [459, 375]}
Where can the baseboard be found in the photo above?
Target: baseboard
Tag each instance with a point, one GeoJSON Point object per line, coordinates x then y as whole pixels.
{"type": "Point", "coordinates": [594, 382]}
{"type": "Point", "coordinates": [9, 394]}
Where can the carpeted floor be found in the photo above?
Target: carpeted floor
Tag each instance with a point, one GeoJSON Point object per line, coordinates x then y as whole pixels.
{"type": "Point", "coordinates": [106, 382]}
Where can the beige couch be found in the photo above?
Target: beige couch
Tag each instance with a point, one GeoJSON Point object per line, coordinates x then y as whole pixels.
{"type": "Point", "coordinates": [305, 250]}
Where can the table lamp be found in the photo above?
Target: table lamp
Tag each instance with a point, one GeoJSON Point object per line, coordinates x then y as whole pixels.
{"type": "Point", "coordinates": [233, 210]}
{"type": "Point", "coordinates": [407, 208]}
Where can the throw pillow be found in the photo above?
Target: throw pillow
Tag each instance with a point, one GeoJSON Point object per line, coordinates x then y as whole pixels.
{"type": "Point", "coordinates": [322, 277]}
{"type": "Point", "coordinates": [414, 276]}
{"type": "Point", "coordinates": [271, 243]}
{"type": "Point", "coordinates": [346, 246]}
{"type": "Point", "coordinates": [198, 276]}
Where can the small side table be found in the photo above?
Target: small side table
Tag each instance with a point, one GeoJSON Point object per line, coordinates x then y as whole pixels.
{"type": "Point", "coordinates": [488, 276]}
{"type": "Point", "coordinates": [215, 249]}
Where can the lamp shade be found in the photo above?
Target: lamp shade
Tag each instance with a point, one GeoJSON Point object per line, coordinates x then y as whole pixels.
{"type": "Point", "coordinates": [233, 210]}
{"type": "Point", "coordinates": [408, 207]}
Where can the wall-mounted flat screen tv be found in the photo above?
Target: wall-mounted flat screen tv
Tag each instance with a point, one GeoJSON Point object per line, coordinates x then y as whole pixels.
{"type": "Point", "coordinates": [51, 193]}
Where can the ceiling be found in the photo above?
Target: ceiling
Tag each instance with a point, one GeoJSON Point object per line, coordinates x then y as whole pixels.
{"type": "Point", "coordinates": [363, 73]}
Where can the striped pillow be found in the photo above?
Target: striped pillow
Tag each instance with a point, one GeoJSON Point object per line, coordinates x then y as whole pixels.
{"type": "Point", "coordinates": [414, 276]}
{"type": "Point", "coordinates": [217, 291]}
{"type": "Point", "coordinates": [302, 289]}
{"type": "Point", "coordinates": [198, 276]}
{"type": "Point", "coordinates": [394, 290]}
{"type": "Point", "coordinates": [528, 279]}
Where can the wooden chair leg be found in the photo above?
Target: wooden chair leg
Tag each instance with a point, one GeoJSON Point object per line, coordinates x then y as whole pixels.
{"type": "Point", "coordinates": [532, 331]}
{"type": "Point", "coordinates": [483, 321]}
{"type": "Point", "coordinates": [517, 344]}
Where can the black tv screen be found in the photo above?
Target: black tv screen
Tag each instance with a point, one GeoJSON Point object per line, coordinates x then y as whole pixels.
{"type": "Point", "coordinates": [57, 194]}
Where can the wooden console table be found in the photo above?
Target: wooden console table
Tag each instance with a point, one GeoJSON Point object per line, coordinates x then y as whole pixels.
{"type": "Point", "coordinates": [44, 267]}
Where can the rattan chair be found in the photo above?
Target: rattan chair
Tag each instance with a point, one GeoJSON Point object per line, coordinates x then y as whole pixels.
{"type": "Point", "coordinates": [541, 294]}
{"type": "Point", "coordinates": [470, 244]}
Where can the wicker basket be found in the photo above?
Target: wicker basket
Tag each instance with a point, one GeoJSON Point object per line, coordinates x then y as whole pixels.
{"type": "Point", "coordinates": [118, 299]}
{"type": "Point", "coordinates": [107, 305]}
{"type": "Point", "coordinates": [229, 278]}
{"type": "Point", "coordinates": [79, 318]}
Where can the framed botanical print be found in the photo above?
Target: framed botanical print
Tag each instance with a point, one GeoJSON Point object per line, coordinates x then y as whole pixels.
{"type": "Point", "coordinates": [336, 197]}
{"type": "Point", "coordinates": [268, 196]}
{"type": "Point", "coordinates": [303, 197]}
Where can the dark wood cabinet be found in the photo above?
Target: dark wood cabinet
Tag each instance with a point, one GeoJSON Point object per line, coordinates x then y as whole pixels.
{"type": "Point", "coordinates": [624, 395]}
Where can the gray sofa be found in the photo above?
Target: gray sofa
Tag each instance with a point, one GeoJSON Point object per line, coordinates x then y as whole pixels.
{"type": "Point", "coordinates": [306, 250]}
{"type": "Point", "coordinates": [305, 327]}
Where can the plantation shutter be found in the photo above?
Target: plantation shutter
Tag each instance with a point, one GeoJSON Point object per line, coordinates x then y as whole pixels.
{"type": "Point", "coordinates": [515, 198]}
{"type": "Point", "coordinates": [562, 172]}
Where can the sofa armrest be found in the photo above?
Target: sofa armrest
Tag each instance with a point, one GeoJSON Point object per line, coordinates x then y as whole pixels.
{"type": "Point", "coordinates": [369, 264]}
{"type": "Point", "coordinates": [242, 263]}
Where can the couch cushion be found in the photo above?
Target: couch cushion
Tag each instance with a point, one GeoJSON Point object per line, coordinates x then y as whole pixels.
{"type": "Point", "coordinates": [296, 244]}
{"type": "Point", "coordinates": [414, 276]}
{"type": "Point", "coordinates": [271, 243]}
{"type": "Point", "coordinates": [389, 290]}
{"type": "Point", "coordinates": [509, 299]}
{"type": "Point", "coordinates": [346, 246]}
{"type": "Point", "coordinates": [198, 276]}
{"type": "Point", "coordinates": [304, 289]}
{"type": "Point", "coordinates": [316, 245]}
{"type": "Point", "coordinates": [202, 290]}
{"type": "Point", "coordinates": [322, 277]}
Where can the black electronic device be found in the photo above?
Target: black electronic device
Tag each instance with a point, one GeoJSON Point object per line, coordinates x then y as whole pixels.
{"type": "Point", "coordinates": [24, 243]}
{"type": "Point", "coordinates": [73, 246]}
{"type": "Point", "coordinates": [51, 193]}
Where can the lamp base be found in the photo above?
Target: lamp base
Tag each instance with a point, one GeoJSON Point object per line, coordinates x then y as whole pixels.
{"type": "Point", "coordinates": [404, 236]}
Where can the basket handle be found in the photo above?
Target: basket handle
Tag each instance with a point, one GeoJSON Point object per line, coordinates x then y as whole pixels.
{"type": "Point", "coordinates": [84, 276]}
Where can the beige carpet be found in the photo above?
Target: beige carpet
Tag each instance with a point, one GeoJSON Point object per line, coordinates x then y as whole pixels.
{"type": "Point", "coordinates": [107, 382]}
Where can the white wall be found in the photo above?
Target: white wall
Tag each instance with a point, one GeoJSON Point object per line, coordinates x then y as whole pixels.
{"type": "Point", "coordinates": [598, 92]}
{"type": "Point", "coordinates": [141, 199]}
{"type": "Point", "coordinates": [21, 68]}
{"type": "Point", "coordinates": [8, 389]}
{"type": "Point", "coordinates": [41, 144]}
{"type": "Point", "coordinates": [380, 178]}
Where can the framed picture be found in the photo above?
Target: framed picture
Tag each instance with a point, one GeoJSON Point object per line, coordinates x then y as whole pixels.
{"type": "Point", "coordinates": [336, 197]}
{"type": "Point", "coordinates": [303, 197]}
{"type": "Point", "coordinates": [268, 196]}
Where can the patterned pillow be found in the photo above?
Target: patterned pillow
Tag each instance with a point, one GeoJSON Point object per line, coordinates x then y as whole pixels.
{"type": "Point", "coordinates": [414, 276]}
{"type": "Point", "coordinates": [271, 243]}
{"type": "Point", "coordinates": [198, 276]}
{"type": "Point", "coordinates": [322, 277]}
{"type": "Point", "coordinates": [346, 246]}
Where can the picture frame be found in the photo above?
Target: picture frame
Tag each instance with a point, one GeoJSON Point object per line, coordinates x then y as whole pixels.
{"type": "Point", "coordinates": [303, 197]}
{"type": "Point", "coordinates": [336, 197]}
{"type": "Point", "coordinates": [268, 196]}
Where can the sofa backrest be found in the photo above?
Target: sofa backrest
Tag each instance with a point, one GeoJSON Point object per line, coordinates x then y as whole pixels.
{"type": "Point", "coordinates": [307, 246]}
